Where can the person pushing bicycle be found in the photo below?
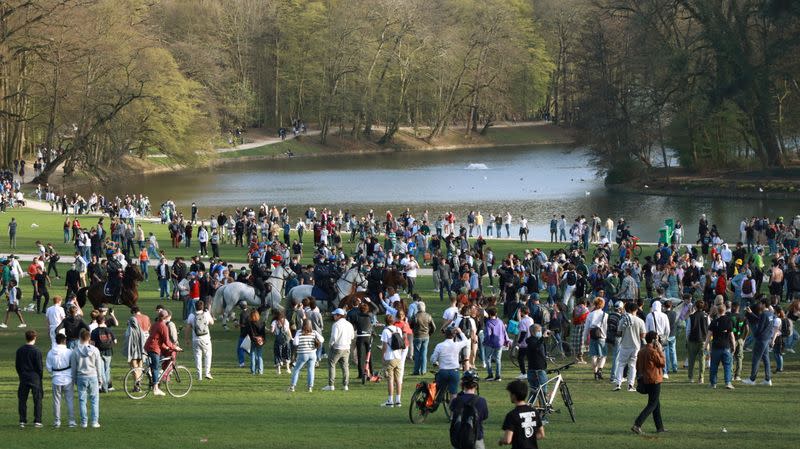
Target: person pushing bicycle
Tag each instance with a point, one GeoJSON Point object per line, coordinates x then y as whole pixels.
{"type": "Point", "coordinates": [446, 356]}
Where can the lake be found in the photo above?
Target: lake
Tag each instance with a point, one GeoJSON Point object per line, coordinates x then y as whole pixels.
{"type": "Point", "coordinates": [535, 182]}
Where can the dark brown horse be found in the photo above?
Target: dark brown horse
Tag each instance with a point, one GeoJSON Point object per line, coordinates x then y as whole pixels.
{"type": "Point", "coordinates": [394, 278]}
{"type": "Point", "coordinates": [129, 295]}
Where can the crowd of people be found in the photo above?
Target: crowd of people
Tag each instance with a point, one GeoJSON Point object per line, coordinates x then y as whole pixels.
{"type": "Point", "coordinates": [602, 306]}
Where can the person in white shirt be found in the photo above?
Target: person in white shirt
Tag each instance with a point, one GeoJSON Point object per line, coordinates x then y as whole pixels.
{"type": "Point", "coordinates": [658, 322]}
{"type": "Point", "coordinates": [411, 273]}
{"type": "Point", "coordinates": [446, 355]}
{"type": "Point", "coordinates": [198, 325]}
{"type": "Point", "coordinates": [450, 314]}
{"type": "Point", "coordinates": [631, 332]}
{"type": "Point", "coordinates": [392, 359]}
{"type": "Point", "coordinates": [342, 335]}
{"type": "Point", "coordinates": [507, 224]}
{"type": "Point", "coordinates": [54, 315]}
{"type": "Point", "coordinates": [594, 330]}
{"type": "Point", "coordinates": [58, 364]}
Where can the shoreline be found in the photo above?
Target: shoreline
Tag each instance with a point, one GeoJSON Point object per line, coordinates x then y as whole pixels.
{"type": "Point", "coordinates": [703, 191]}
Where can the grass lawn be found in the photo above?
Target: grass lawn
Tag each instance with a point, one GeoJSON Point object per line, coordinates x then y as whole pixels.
{"type": "Point", "coordinates": [237, 409]}
{"type": "Point", "coordinates": [301, 146]}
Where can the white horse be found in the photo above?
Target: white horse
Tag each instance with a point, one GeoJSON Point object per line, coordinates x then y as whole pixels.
{"type": "Point", "coordinates": [348, 283]}
{"type": "Point", "coordinates": [228, 295]}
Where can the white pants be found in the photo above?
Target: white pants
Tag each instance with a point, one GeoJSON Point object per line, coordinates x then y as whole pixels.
{"type": "Point", "coordinates": [68, 393]}
{"type": "Point", "coordinates": [201, 347]}
{"type": "Point", "coordinates": [626, 356]}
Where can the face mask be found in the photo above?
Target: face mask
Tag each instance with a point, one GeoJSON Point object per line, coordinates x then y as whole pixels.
{"type": "Point", "coordinates": [538, 334]}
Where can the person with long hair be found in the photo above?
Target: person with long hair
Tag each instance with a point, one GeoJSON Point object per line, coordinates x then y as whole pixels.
{"type": "Point", "coordinates": [282, 352]}
{"type": "Point", "coordinates": [257, 332]}
{"type": "Point", "coordinates": [306, 342]}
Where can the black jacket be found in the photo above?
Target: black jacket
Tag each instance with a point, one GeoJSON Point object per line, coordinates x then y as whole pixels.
{"type": "Point", "coordinates": [29, 365]}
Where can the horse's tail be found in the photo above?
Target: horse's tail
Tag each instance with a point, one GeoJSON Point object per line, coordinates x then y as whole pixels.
{"type": "Point", "coordinates": [218, 303]}
{"type": "Point", "coordinates": [81, 296]}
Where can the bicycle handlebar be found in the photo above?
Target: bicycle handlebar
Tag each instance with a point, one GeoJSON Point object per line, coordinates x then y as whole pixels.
{"type": "Point", "coordinates": [561, 368]}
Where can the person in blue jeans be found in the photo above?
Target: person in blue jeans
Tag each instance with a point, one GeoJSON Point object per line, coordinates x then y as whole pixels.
{"type": "Point", "coordinates": [494, 340]}
{"type": "Point", "coordinates": [760, 319]}
{"type": "Point", "coordinates": [447, 356]}
{"type": "Point", "coordinates": [536, 353]}
{"type": "Point", "coordinates": [87, 371]}
{"type": "Point", "coordinates": [244, 319]}
{"type": "Point", "coordinates": [721, 341]}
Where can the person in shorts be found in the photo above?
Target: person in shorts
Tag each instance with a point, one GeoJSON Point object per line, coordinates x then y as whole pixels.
{"type": "Point", "coordinates": [522, 426]}
{"type": "Point", "coordinates": [13, 305]}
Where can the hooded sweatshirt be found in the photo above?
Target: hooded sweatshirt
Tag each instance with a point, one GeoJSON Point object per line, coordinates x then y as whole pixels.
{"type": "Point", "coordinates": [85, 362]}
{"type": "Point", "coordinates": [658, 321]}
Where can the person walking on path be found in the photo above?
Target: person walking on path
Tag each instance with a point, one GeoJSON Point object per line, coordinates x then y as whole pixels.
{"type": "Point", "coordinates": [650, 363]}
{"type": "Point", "coordinates": [87, 370]}
{"type": "Point", "coordinates": [58, 364]}
{"type": "Point", "coordinates": [342, 335]}
{"type": "Point", "coordinates": [30, 371]}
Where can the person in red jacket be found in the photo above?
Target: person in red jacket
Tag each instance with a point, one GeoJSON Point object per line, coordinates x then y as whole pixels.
{"type": "Point", "coordinates": [159, 344]}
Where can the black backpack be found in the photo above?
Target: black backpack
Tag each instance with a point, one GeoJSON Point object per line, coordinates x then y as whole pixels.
{"type": "Point", "coordinates": [466, 327]}
{"type": "Point", "coordinates": [464, 425]}
{"type": "Point", "coordinates": [572, 278]}
{"type": "Point", "coordinates": [397, 342]}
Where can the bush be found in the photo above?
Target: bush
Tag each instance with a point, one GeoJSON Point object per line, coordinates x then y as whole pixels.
{"type": "Point", "coordinates": [625, 171]}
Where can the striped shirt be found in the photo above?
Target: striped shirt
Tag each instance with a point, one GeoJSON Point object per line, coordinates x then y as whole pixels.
{"type": "Point", "coordinates": [304, 343]}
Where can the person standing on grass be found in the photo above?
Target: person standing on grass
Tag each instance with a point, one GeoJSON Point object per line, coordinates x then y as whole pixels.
{"type": "Point", "coordinates": [159, 344]}
{"type": "Point", "coordinates": [650, 362]}
{"type": "Point", "coordinates": [198, 325]}
{"type": "Point", "coordinates": [392, 358]}
{"type": "Point", "coordinates": [136, 335]}
{"type": "Point", "coordinates": [30, 371]}
{"type": "Point", "coordinates": [494, 340]}
{"type": "Point", "coordinates": [594, 331]}
{"type": "Point", "coordinates": [342, 335]}
{"type": "Point", "coordinates": [58, 364]}
{"type": "Point", "coordinates": [41, 282]}
{"type": "Point", "coordinates": [631, 332]}
{"type": "Point", "coordinates": [658, 322]}
{"type": "Point", "coordinates": [87, 370]}
{"type": "Point", "coordinates": [695, 340]}
{"type": "Point", "coordinates": [104, 340]}
{"type": "Point", "coordinates": [13, 295]}
{"type": "Point", "coordinates": [469, 397]}
{"type": "Point", "coordinates": [54, 315]}
{"type": "Point", "coordinates": [522, 426]}
{"type": "Point", "coordinates": [281, 350]}
{"type": "Point", "coordinates": [257, 332]}
{"type": "Point", "coordinates": [721, 341]}
{"type": "Point", "coordinates": [423, 326]}
{"type": "Point", "coordinates": [12, 233]}
{"type": "Point", "coordinates": [536, 353]}
{"type": "Point", "coordinates": [72, 326]}
{"type": "Point", "coordinates": [243, 325]}
{"type": "Point", "coordinates": [144, 263]}
{"type": "Point", "coordinates": [306, 342]}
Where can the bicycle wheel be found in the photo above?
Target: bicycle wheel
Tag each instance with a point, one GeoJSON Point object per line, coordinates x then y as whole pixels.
{"type": "Point", "coordinates": [567, 400]}
{"type": "Point", "coordinates": [512, 354]}
{"type": "Point", "coordinates": [446, 404]}
{"type": "Point", "coordinates": [137, 389]}
{"type": "Point", "coordinates": [418, 411]}
{"type": "Point", "coordinates": [179, 382]}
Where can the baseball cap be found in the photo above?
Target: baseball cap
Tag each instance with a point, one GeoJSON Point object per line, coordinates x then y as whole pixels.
{"type": "Point", "coordinates": [619, 305]}
{"type": "Point", "coordinates": [339, 311]}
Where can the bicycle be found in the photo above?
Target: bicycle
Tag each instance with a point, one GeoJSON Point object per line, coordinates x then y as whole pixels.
{"type": "Point", "coordinates": [176, 378]}
{"type": "Point", "coordinates": [555, 352]}
{"type": "Point", "coordinates": [423, 405]}
{"type": "Point", "coordinates": [544, 402]}
{"type": "Point", "coordinates": [634, 246]}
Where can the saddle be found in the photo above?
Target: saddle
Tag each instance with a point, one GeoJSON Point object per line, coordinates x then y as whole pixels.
{"type": "Point", "coordinates": [108, 291]}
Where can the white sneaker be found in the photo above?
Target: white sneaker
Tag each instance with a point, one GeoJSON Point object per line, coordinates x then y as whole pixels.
{"type": "Point", "coordinates": [310, 389]}
{"type": "Point", "coordinates": [790, 350]}
{"type": "Point", "coordinates": [749, 382]}
{"type": "Point", "coordinates": [22, 325]}
{"type": "Point", "coordinates": [767, 383]}
{"type": "Point", "coordinates": [158, 392]}
{"type": "Point", "coordinates": [290, 389]}
{"type": "Point", "coordinates": [346, 388]}
{"type": "Point", "coordinates": [738, 379]}
{"type": "Point", "coordinates": [388, 404]}
{"type": "Point", "coordinates": [522, 377]}
{"type": "Point", "coordinates": [666, 376]}
{"type": "Point", "coordinates": [209, 377]}
{"type": "Point", "coordinates": [328, 388]}
{"type": "Point", "coordinates": [729, 386]}
{"type": "Point", "coordinates": [3, 325]}
{"type": "Point", "coordinates": [95, 425]}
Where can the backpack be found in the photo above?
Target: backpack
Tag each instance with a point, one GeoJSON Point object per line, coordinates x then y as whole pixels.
{"type": "Point", "coordinates": [785, 328]}
{"type": "Point", "coordinates": [464, 426]}
{"type": "Point", "coordinates": [747, 286]}
{"type": "Point", "coordinates": [397, 342]}
{"type": "Point", "coordinates": [612, 325]}
{"type": "Point", "coordinates": [200, 324]}
{"type": "Point", "coordinates": [572, 278]}
{"type": "Point", "coordinates": [466, 327]}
